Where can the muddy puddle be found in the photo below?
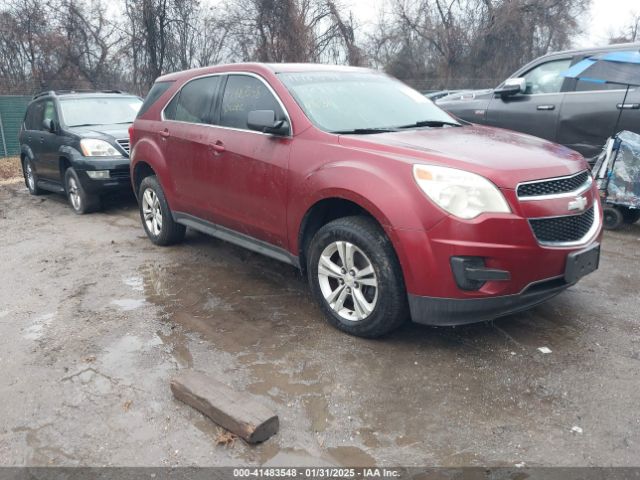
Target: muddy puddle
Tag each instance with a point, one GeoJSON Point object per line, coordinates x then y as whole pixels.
{"type": "Point", "coordinates": [353, 397]}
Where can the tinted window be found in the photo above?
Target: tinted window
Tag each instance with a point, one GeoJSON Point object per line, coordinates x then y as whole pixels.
{"type": "Point", "coordinates": [34, 116]}
{"type": "Point", "coordinates": [154, 94]}
{"type": "Point", "coordinates": [242, 95]}
{"type": "Point", "coordinates": [194, 102]}
{"type": "Point", "coordinates": [547, 78]}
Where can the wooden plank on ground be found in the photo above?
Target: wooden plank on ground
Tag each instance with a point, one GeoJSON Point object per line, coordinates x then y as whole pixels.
{"type": "Point", "coordinates": [235, 411]}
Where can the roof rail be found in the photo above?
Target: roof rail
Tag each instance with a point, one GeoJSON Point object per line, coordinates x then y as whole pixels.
{"type": "Point", "coordinates": [42, 94]}
{"type": "Point", "coordinates": [53, 93]}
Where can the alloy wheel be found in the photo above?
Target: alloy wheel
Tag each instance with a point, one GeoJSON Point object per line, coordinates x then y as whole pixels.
{"type": "Point", "coordinates": [31, 181]}
{"type": "Point", "coordinates": [74, 193]}
{"type": "Point", "coordinates": [348, 281]}
{"type": "Point", "coordinates": [152, 212]}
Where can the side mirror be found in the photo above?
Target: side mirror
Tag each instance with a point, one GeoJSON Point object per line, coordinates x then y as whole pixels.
{"type": "Point", "coordinates": [265, 121]}
{"type": "Point", "coordinates": [49, 125]}
{"type": "Point", "coordinates": [512, 86]}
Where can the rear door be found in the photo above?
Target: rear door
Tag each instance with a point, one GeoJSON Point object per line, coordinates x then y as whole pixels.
{"type": "Point", "coordinates": [589, 115]}
{"type": "Point", "coordinates": [187, 139]}
{"type": "Point", "coordinates": [32, 136]}
{"type": "Point", "coordinates": [537, 110]}
{"type": "Point", "coordinates": [249, 187]}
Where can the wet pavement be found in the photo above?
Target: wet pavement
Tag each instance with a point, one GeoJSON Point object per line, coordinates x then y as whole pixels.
{"type": "Point", "coordinates": [94, 320]}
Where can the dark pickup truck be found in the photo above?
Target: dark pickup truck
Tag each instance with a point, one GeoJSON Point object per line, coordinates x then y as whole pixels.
{"type": "Point", "coordinates": [578, 114]}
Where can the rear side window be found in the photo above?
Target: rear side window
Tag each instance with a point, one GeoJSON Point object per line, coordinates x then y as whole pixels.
{"type": "Point", "coordinates": [154, 94]}
{"type": "Point", "coordinates": [35, 115]}
{"type": "Point", "coordinates": [193, 103]}
{"type": "Point", "coordinates": [242, 95]}
{"type": "Point", "coordinates": [585, 86]}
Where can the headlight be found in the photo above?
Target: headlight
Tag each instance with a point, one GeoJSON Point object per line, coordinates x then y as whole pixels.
{"type": "Point", "coordinates": [92, 147]}
{"type": "Point", "coordinates": [463, 194]}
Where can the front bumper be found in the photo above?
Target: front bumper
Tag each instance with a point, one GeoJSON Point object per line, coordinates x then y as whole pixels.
{"type": "Point", "coordinates": [456, 311]}
{"type": "Point", "coordinates": [461, 272]}
{"type": "Point", "coordinates": [119, 176]}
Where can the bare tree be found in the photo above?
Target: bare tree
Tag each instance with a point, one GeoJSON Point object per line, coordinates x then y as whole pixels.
{"type": "Point", "coordinates": [630, 33]}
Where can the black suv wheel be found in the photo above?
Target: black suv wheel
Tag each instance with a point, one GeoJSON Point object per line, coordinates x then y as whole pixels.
{"type": "Point", "coordinates": [81, 202]}
{"type": "Point", "coordinates": [356, 278]}
{"type": "Point", "coordinates": [155, 214]}
{"type": "Point", "coordinates": [30, 177]}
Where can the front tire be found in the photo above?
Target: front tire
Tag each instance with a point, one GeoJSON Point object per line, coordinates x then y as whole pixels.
{"type": "Point", "coordinates": [156, 216]}
{"type": "Point", "coordinates": [356, 278]}
{"type": "Point", "coordinates": [612, 218]}
{"type": "Point", "coordinates": [80, 201]}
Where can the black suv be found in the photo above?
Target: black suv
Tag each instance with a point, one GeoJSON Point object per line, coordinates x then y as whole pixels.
{"type": "Point", "coordinates": [539, 101]}
{"type": "Point", "coordinates": [78, 143]}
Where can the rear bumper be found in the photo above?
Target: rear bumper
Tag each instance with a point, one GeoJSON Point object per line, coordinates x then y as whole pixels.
{"type": "Point", "coordinates": [456, 311]}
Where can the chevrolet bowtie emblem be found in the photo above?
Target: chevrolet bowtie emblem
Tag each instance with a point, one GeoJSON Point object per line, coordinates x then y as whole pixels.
{"type": "Point", "coordinates": [579, 203]}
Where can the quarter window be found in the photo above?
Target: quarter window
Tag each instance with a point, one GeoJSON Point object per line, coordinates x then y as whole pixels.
{"type": "Point", "coordinates": [194, 102]}
{"type": "Point", "coordinates": [242, 95]}
{"type": "Point", "coordinates": [547, 78]}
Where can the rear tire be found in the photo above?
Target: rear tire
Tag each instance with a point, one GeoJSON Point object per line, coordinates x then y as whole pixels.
{"type": "Point", "coordinates": [80, 201]}
{"type": "Point", "coordinates": [612, 218]}
{"type": "Point", "coordinates": [156, 216]}
{"type": "Point", "coordinates": [30, 177]}
{"type": "Point", "coordinates": [356, 278]}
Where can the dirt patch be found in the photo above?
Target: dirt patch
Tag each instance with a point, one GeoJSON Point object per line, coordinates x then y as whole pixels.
{"type": "Point", "coordinates": [10, 170]}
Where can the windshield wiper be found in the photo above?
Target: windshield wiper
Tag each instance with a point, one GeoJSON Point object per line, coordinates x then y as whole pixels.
{"type": "Point", "coordinates": [431, 123]}
{"type": "Point", "coordinates": [365, 131]}
{"type": "Point", "coordinates": [85, 125]}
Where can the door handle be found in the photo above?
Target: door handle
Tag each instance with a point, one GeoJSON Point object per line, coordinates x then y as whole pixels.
{"type": "Point", "coordinates": [164, 133]}
{"type": "Point", "coordinates": [41, 139]}
{"type": "Point", "coordinates": [628, 106]}
{"type": "Point", "coordinates": [218, 147]}
{"type": "Point", "coordinates": [546, 107]}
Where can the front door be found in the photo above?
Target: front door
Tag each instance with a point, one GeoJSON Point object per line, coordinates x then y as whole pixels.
{"type": "Point", "coordinates": [249, 169]}
{"type": "Point", "coordinates": [535, 111]}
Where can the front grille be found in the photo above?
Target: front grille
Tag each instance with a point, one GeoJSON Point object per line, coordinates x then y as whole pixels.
{"type": "Point", "coordinates": [553, 186]}
{"type": "Point", "coordinates": [120, 173]}
{"type": "Point", "coordinates": [571, 228]}
{"type": "Point", "coordinates": [124, 143]}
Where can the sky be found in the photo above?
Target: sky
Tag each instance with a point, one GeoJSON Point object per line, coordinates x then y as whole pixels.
{"type": "Point", "coordinates": [605, 16]}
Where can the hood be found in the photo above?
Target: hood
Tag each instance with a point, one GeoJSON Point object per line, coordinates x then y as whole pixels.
{"type": "Point", "coordinates": [504, 157]}
{"type": "Point", "coordinates": [102, 131]}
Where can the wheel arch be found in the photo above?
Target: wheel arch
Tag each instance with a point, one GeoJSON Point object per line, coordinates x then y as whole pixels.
{"type": "Point", "coordinates": [329, 208]}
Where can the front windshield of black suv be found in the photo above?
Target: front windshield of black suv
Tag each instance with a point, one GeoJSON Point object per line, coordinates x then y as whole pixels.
{"type": "Point", "coordinates": [87, 111]}
{"type": "Point", "coordinates": [362, 102]}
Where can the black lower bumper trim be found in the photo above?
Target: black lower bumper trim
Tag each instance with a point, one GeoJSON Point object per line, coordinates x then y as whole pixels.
{"type": "Point", "coordinates": [453, 311]}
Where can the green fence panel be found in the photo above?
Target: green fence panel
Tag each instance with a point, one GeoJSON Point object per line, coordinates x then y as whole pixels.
{"type": "Point", "coordinates": [12, 109]}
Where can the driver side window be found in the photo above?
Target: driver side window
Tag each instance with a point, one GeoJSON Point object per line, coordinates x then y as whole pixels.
{"type": "Point", "coordinates": [546, 78]}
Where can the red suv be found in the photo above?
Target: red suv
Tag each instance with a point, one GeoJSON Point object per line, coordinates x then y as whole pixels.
{"type": "Point", "coordinates": [394, 208]}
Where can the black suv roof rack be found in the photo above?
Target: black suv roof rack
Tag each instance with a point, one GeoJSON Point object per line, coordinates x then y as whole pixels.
{"type": "Point", "coordinates": [53, 93]}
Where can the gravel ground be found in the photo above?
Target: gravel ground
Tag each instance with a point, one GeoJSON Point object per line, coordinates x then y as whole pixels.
{"type": "Point", "coordinates": [94, 321]}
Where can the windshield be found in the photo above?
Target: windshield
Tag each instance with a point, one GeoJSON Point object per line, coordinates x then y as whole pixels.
{"type": "Point", "coordinates": [361, 102]}
{"type": "Point", "coordinates": [99, 110]}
